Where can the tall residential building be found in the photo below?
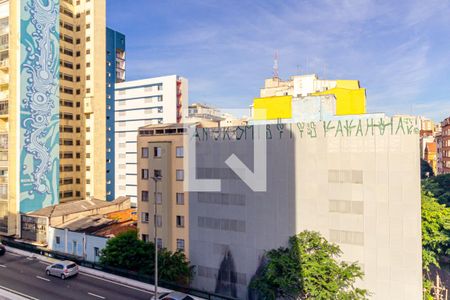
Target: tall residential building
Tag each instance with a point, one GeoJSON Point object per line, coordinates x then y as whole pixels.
{"type": "Point", "coordinates": [356, 181]}
{"type": "Point", "coordinates": [161, 154]}
{"type": "Point", "coordinates": [445, 142]}
{"type": "Point", "coordinates": [138, 103]}
{"type": "Point", "coordinates": [439, 164]}
{"type": "Point", "coordinates": [115, 73]}
{"type": "Point", "coordinates": [52, 81]}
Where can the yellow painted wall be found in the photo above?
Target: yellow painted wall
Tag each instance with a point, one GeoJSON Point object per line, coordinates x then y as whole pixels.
{"type": "Point", "coordinates": [348, 84]}
{"type": "Point", "coordinates": [350, 98]}
{"type": "Point", "coordinates": [348, 102]}
{"type": "Point", "coordinates": [270, 108]}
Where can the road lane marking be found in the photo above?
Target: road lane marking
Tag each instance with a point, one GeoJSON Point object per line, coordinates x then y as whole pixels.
{"type": "Point", "coordinates": [42, 278]}
{"type": "Point", "coordinates": [98, 296]}
{"type": "Point", "coordinates": [18, 293]}
{"type": "Point", "coordinates": [2, 266]}
{"type": "Point", "coordinates": [117, 283]}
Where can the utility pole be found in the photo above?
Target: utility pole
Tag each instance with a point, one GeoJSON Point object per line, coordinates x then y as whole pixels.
{"type": "Point", "coordinates": [156, 179]}
{"type": "Point", "coordinates": [440, 292]}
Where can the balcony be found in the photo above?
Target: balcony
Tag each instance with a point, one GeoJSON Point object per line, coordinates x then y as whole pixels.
{"type": "Point", "coordinates": [3, 142]}
{"type": "Point", "coordinates": [4, 64]}
{"type": "Point", "coordinates": [4, 80]}
{"type": "Point", "coordinates": [4, 46]}
{"type": "Point", "coordinates": [4, 96]}
{"type": "Point", "coordinates": [3, 108]}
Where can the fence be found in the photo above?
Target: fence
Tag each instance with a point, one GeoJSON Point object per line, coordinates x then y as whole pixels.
{"type": "Point", "coordinates": [112, 270]}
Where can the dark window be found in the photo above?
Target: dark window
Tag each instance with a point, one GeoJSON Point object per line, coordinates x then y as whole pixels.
{"type": "Point", "coordinates": [144, 196]}
{"type": "Point", "coordinates": [144, 173]}
{"type": "Point", "coordinates": [144, 152]}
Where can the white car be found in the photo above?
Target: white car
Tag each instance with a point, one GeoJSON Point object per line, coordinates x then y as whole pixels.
{"type": "Point", "coordinates": [63, 269]}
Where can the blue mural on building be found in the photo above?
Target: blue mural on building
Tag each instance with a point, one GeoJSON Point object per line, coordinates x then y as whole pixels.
{"type": "Point", "coordinates": [39, 105]}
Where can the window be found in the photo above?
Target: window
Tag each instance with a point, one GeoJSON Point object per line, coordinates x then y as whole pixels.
{"type": "Point", "coordinates": [144, 217]}
{"type": "Point", "coordinates": [180, 221]}
{"type": "Point", "coordinates": [179, 151]}
{"type": "Point", "coordinates": [74, 249]}
{"type": "Point", "coordinates": [180, 245]}
{"type": "Point", "coordinates": [144, 152]}
{"type": "Point", "coordinates": [96, 252]}
{"type": "Point", "coordinates": [57, 240]}
{"type": "Point", "coordinates": [145, 238]}
{"type": "Point", "coordinates": [159, 243]}
{"type": "Point", "coordinates": [180, 175]}
{"type": "Point", "coordinates": [158, 221]}
{"type": "Point", "coordinates": [144, 196]}
{"type": "Point", "coordinates": [157, 173]}
{"type": "Point", "coordinates": [158, 198]}
{"type": "Point", "coordinates": [144, 173]}
{"type": "Point", "coordinates": [180, 198]}
{"type": "Point", "coordinates": [157, 151]}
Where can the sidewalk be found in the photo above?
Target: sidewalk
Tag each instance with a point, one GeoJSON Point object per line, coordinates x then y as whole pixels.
{"type": "Point", "coordinates": [7, 295]}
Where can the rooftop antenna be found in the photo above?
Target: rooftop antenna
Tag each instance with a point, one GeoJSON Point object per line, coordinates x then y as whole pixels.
{"type": "Point", "coordinates": [275, 65]}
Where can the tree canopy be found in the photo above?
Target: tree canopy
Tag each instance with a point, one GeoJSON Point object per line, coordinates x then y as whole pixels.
{"type": "Point", "coordinates": [425, 169]}
{"type": "Point", "coordinates": [439, 187]}
{"type": "Point", "coordinates": [126, 251]}
{"type": "Point", "coordinates": [435, 230]}
{"type": "Point", "coordinates": [308, 269]}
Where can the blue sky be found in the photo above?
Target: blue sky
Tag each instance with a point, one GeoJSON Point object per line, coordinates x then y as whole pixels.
{"type": "Point", "coordinates": [399, 50]}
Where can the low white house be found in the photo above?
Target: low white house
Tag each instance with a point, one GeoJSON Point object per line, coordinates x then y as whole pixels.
{"type": "Point", "coordinates": [79, 244]}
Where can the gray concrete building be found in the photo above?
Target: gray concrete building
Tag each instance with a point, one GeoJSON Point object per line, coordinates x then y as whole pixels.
{"type": "Point", "coordinates": [354, 181]}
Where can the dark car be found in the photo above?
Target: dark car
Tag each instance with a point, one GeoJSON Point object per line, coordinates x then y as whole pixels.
{"type": "Point", "coordinates": [2, 249]}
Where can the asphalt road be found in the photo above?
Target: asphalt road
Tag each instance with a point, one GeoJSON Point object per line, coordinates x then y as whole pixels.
{"type": "Point", "coordinates": [26, 276]}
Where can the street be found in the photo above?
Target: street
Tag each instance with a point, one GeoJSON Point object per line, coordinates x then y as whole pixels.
{"type": "Point", "coordinates": [26, 276]}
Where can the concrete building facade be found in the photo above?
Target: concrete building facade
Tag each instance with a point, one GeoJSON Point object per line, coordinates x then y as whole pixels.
{"type": "Point", "coordinates": [161, 154]}
{"type": "Point", "coordinates": [115, 73]}
{"type": "Point", "coordinates": [350, 97]}
{"type": "Point", "coordinates": [445, 146]}
{"type": "Point", "coordinates": [138, 103]}
{"type": "Point", "coordinates": [354, 181]}
{"type": "Point", "coordinates": [52, 124]}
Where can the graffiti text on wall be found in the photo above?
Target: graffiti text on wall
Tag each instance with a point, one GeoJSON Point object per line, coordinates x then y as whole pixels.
{"type": "Point", "coordinates": [340, 128]}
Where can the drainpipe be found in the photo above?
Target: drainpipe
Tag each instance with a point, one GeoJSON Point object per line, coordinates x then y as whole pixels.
{"type": "Point", "coordinates": [65, 240]}
{"type": "Point", "coordinates": [84, 245]}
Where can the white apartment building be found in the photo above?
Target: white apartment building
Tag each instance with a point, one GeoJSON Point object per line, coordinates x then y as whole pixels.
{"type": "Point", "coordinates": [138, 103]}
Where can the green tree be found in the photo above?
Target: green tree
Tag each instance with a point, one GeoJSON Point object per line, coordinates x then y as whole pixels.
{"type": "Point", "coordinates": [308, 269]}
{"type": "Point", "coordinates": [126, 251]}
{"type": "Point", "coordinates": [435, 231]}
{"type": "Point", "coordinates": [439, 187]}
{"type": "Point", "coordinates": [425, 169]}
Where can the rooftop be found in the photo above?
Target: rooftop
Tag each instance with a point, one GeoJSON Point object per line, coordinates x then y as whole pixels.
{"type": "Point", "coordinates": [103, 225]}
{"type": "Point", "coordinates": [75, 207]}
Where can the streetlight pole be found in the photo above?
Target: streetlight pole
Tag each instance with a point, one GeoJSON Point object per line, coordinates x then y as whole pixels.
{"type": "Point", "coordinates": [156, 179]}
